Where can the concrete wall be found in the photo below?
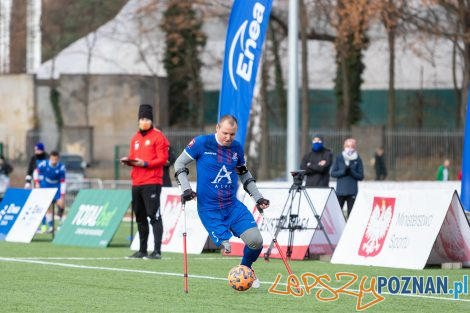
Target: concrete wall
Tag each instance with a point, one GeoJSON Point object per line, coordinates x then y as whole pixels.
{"type": "Point", "coordinates": [108, 106]}
{"type": "Point", "coordinates": [17, 113]}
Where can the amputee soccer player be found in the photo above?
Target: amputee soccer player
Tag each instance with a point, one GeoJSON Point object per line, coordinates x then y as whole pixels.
{"type": "Point", "coordinates": [51, 174]}
{"type": "Point", "coordinates": [219, 158]}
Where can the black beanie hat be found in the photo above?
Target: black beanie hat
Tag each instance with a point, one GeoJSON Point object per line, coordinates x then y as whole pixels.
{"type": "Point", "coordinates": [145, 111]}
{"type": "Point", "coordinates": [318, 136]}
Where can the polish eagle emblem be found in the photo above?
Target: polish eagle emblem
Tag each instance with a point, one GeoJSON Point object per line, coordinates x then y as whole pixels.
{"type": "Point", "coordinates": [377, 227]}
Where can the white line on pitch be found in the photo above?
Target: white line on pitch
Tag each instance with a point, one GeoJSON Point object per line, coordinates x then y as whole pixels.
{"type": "Point", "coordinates": [191, 276]}
{"type": "Point", "coordinates": [120, 258]}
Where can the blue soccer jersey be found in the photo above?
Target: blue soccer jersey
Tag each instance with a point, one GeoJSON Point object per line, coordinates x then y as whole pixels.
{"type": "Point", "coordinates": [217, 180]}
{"type": "Point", "coordinates": [51, 177]}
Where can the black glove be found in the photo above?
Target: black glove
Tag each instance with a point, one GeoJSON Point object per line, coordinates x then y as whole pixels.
{"type": "Point", "coordinates": [188, 195]}
{"type": "Point", "coordinates": [260, 202]}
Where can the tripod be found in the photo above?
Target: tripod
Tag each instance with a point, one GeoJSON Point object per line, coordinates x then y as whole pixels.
{"type": "Point", "coordinates": [293, 219]}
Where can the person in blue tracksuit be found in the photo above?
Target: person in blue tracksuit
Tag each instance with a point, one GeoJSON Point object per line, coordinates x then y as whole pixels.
{"type": "Point", "coordinates": [50, 173]}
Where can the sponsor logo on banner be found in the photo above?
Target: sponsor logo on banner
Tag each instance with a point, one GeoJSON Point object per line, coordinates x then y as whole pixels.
{"type": "Point", "coordinates": [10, 209]}
{"type": "Point", "coordinates": [377, 227]}
{"type": "Point", "coordinates": [172, 204]}
{"type": "Point", "coordinates": [246, 43]}
{"type": "Point", "coordinates": [6, 211]}
{"type": "Point", "coordinates": [93, 215]}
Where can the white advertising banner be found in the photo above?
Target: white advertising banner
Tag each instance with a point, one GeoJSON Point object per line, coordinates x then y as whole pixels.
{"type": "Point", "coordinates": [31, 215]}
{"type": "Point", "coordinates": [393, 228]}
{"type": "Point", "coordinates": [173, 225]}
{"type": "Point", "coordinates": [293, 207]}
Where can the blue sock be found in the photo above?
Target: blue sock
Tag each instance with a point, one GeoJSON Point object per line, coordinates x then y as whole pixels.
{"type": "Point", "coordinates": [250, 256]}
{"type": "Point", "coordinates": [43, 222]}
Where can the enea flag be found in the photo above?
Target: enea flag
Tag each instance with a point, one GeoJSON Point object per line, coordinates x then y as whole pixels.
{"type": "Point", "coordinates": [465, 191]}
{"type": "Point", "coordinates": [94, 218]}
{"type": "Point", "coordinates": [243, 46]}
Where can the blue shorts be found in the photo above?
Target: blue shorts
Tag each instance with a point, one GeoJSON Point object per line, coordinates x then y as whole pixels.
{"type": "Point", "coordinates": [222, 224]}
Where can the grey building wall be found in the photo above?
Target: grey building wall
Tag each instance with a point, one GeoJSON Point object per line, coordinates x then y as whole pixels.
{"type": "Point", "coordinates": [101, 107]}
{"type": "Point", "coordinates": [17, 113]}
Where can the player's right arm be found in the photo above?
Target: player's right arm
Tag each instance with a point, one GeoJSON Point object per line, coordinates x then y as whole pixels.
{"type": "Point", "coordinates": [189, 154]}
{"type": "Point", "coordinates": [181, 170]}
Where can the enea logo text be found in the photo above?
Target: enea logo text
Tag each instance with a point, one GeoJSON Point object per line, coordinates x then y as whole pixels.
{"type": "Point", "coordinates": [246, 57]}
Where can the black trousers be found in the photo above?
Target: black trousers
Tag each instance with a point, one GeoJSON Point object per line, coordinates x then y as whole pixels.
{"type": "Point", "coordinates": [146, 204]}
{"type": "Point", "coordinates": [350, 202]}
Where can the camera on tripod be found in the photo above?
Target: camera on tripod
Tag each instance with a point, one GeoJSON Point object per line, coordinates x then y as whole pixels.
{"type": "Point", "coordinates": [290, 216]}
{"type": "Point", "coordinates": [298, 176]}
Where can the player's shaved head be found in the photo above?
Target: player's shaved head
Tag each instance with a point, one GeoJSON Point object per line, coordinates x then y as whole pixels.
{"type": "Point", "coordinates": [232, 120]}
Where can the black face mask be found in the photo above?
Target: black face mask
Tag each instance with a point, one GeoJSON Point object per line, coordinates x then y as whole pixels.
{"type": "Point", "coordinates": [41, 156]}
{"type": "Point", "coordinates": [144, 132]}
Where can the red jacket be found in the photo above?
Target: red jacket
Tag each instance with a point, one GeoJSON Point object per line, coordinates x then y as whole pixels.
{"type": "Point", "coordinates": [152, 148]}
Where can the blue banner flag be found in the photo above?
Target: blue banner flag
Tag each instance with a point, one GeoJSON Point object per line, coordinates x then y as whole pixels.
{"type": "Point", "coordinates": [465, 191]}
{"type": "Point", "coordinates": [243, 46]}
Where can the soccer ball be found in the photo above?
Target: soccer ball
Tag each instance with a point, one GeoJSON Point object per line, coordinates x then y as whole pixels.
{"type": "Point", "coordinates": [241, 278]}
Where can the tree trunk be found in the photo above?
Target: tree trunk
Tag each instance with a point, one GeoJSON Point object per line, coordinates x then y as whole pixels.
{"type": "Point", "coordinates": [391, 78]}
{"type": "Point", "coordinates": [253, 145]}
{"type": "Point", "coordinates": [466, 79]}
{"type": "Point", "coordinates": [344, 123]}
{"type": "Point", "coordinates": [279, 80]}
{"type": "Point", "coordinates": [54, 99]}
{"type": "Point", "coordinates": [304, 128]}
{"type": "Point", "coordinates": [458, 120]}
{"type": "Point", "coordinates": [465, 24]}
{"type": "Point", "coordinates": [265, 166]}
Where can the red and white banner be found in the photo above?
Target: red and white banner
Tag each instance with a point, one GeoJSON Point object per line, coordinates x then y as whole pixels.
{"type": "Point", "coordinates": [173, 225]}
{"type": "Point", "coordinates": [453, 242]}
{"type": "Point", "coordinates": [309, 237]}
{"type": "Point", "coordinates": [398, 228]}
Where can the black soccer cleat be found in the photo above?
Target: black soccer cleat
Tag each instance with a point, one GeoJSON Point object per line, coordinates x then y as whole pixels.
{"type": "Point", "coordinates": [153, 256]}
{"type": "Point", "coordinates": [137, 255]}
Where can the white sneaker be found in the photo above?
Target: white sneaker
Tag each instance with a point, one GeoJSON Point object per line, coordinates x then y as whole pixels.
{"type": "Point", "coordinates": [256, 283]}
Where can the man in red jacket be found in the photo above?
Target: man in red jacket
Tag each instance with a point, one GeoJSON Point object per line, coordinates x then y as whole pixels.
{"type": "Point", "coordinates": [147, 156]}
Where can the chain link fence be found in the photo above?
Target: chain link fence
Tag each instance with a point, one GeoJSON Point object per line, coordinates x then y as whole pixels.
{"type": "Point", "coordinates": [410, 154]}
